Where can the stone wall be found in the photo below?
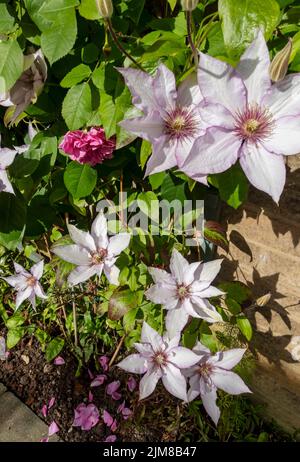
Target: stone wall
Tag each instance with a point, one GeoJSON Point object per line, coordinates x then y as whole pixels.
{"type": "Point", "coordinates": [265, 253]}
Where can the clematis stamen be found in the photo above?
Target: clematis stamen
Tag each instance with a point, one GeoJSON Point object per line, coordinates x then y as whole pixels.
{"type": "Point", "coordinates": [99, 256]}
{"type": "Point", "coordinates": [254, 124]}
{"type": "Point", "coordinates": [181, 123]}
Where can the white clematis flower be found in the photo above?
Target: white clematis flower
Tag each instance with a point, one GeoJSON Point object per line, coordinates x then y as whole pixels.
{"type": "Point", "coordinates": [213, 372]}
{"type": "Point", "coordinates": [184, 292]}
{"type": "Point", "coordinates": [160, 358]}
{"type": "Point", "coordinates": [93, 252]}
{"type": "Point", "coordinates": [27, 283]}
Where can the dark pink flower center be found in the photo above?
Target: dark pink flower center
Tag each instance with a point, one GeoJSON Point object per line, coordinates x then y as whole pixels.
{"type": "Point", "coordinates": [31, 280]}
{"type": "Point", "coordinates": [254, 124]}
{"type": "Point", "coordinates": [160, 358]}
{"type": "Point", "coordinates": [99, 256]}
{"type": "Point", "coordinates": [182, 291]}
{"type": "Point", "coordinates": [181, 123]}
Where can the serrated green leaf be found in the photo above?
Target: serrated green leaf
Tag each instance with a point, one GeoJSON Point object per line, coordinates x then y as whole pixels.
{"type": "Point", "coordinates": [75, 76]}
{"type": "Point", "coordinates": [80, 180]}
{"type": "Point", "coordinates": [77, 106]}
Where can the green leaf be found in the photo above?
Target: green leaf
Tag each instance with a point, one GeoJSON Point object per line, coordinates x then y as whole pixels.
{"type": "Point", "coordinates": [233, 186]}
{"type": "Point", "coordinates": [14, 336]}
{"type": "Point", "coordinates": [121, 302]}
{"type": "Point", "coordinates": [54, 348]}
{"type": "Point", "coordinates": [236, 290]}
{"type": "Point", "coordinates": [77, 106]}
{"type": "Point", "coordinates": [147, 202]}
{"type": "Point", "coordinates": [7, 22]}
{"type": "Point", "coordinates": [80, 180]}
{"type": "Point", "coordinates": [13, 219]}
{"type": "Point", "coordinates": [14, 321]}
{"type": "Point", "coordinates": [11, 62]}
{"type": "Point", "coordinates": [157, 179]}
{"type": "Point", "coordinates": [58, 40]}
{"type": "Point", "coordinates": [88, 9]}
{"type": "Point", "coordinates": [76, 75]}
{"type": "Point", "coordinates": [146, 149]}
{"type": "Point", "coordinates": [172, 4]}
{"type": "Point", "coordinates": [215, 233]}
{"type": "Point", "coordinates": [244, 326]}
{"type": "Point", "coordinates": [171, 191]}
{"type": "Point", "coordinates": [243, 18]}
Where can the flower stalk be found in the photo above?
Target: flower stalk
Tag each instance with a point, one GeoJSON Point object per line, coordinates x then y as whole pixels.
{"type": "Point", "coordinates": [190, 36]}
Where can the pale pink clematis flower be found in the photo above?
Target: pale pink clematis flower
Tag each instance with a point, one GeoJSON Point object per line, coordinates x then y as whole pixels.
{"type": "Point", "coordinates": [251, 119]}
{"type": "Point", "coordinates": [171, 120]}
{"type": "Point", "coordinates": [27, 283]}
{"type": "Point", "coordinates": [184, 292]}
{"type": "Point", "coordinates": [86, 417]}
{"type": "Point", "coordinates": [213, 372]}
{"type": "Point", "coordinates": [160, 358]}
{"type": "Point", "coordinates": [28, 87]}
{"type": "Point", "coordinates": [93, 252]}
{"type": "Point", "coordinates": [88, 147]}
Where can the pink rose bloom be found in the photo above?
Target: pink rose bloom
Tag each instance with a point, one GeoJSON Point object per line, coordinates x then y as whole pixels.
{"type": "Point", "coordinates": [88, 147]}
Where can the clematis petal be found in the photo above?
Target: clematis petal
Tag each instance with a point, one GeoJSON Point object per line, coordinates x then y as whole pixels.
{"type": "Point", "coordinates": [7, 156]}
{"type": "Point", "coordinates": [163, 156]}
{"type": "Point", "coordinates": [164, 86]}
{"type": "Point", "coordinates": [112, 273]}
{"type": "Point", "coordinates": [220, 82]}
{"type": "Point", "coordinates": [149, 127]}
{"type": "Point", "coordinates": [254, 68]}
{"type": "Point", "coordinates": [184, 147]}
{"type": "Point", "coordinates": [23, 295]}
{"type": "Point", "coordinates": [194, 390]}
{"type": "Point", "coordinates": [178, 266]}
{"type": "Point", "coordinates": [19, 269]}
{"type": "Point", "coordinates": [135, 364]}
{"type": "Point", "coordinates": [5, 184]}
{"type": "Point", "coordinates": [83, 273]}
{"type": "Point", "coordinates": [37, 269]}
{"type": "Point", "coordinates": [149, 382]}
{"type": "Point", "coordinates": [72, 253]}
{"type": "Point", "coordinates": [214, 152]}
{"type": "Point", "coordinates": [149, 335]}
{"type": "Point", "coordinates": [176, 320]}
{"type": "Point", "coordinates": [183, 357]}
{"type": "Point", "coordinates": [99, 231]}
{"type": "Point", "coordinates": [82, 238]}
{"type": "Point", "coordinates": [228, 359]}
{"type": "Point", "coordinates": [53, 428]}
{"type": "Point", "coordinates": [118, 243]}
{"type": "Point", "coordinates": [284, 98]}
{"type": "Point", "coordinates": [229, 381]}
{"type": "Point", "coordinates": [12, 280]}
{"type": "Point", "coordinates": [209, 402]}
{"type": "Point", "coordinates": [189, 93]}
{"type": "Point", "coordinates": [174, 382]}
{"type": "Point", "coordinates": [160, 293]}
{"type": "Point", "coordinates": [161, 276]}
{"type": "Point", "coordinates": [266, 171]}
{"type": "Point", "coordinates": [207, 272]}
{"type": "Point", "coordinates": [214, 114]}
{"type": "Point", "coordinates": [206, 310]}
{"type": "Point", "coordinates": [210, 292]}
{"type": "Point", "coordinates": [286, 128]}
{"type": "Point", "coordinates": [140, 85]}
{"type": "Point", "coordinates": [39, 292]}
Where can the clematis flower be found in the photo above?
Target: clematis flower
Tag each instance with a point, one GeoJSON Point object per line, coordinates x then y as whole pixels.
{"type": "Point", "coordinates": [184, 292]}
{"type": "Point", "coordinates": [213, 372]}
{"type": "Point", "coordinates": [28, 87]}
{"type": "Point", "coordinates": [112, 388]}
{"type": "Point", "coordinates": [88, 147]}
{"type": "Point", "coordinates": [171, 120]}
{"type": "Point", "coordinates": [86, 417]}
{"type": "Point", "coordinates": [160, 358]}
{"type": "Point", "coordinates": [27, 283]}
{"type": "Point", "coordinates": [251, 119]}
{"type": "Point", "coordinates": [7, 156]}
{"type": "Point", "coordinates": [93, 252]}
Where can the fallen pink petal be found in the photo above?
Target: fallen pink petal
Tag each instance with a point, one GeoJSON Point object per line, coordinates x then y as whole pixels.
{"type": "Point", "coordinates": [131, 384]}
{"type": "Point", "coordinates": [86, 416]}
{"type": "Point", "coordinates": [53, 428]}
{"type": "Point", "coordinates": [44, 410]}
{"type": "Point", "coordinates": [59, 361]}
{"type": "Point", "coordinates": [98, 380]}
{"type": "Point", "coordinates": [51, 402]}
{"type": "Point", "coordinates": [104, 361]}
{"type": "Point", "coordinates": [110, 439]}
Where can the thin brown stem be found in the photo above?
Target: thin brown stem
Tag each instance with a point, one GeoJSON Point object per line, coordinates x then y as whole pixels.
{"type": "Point", "coordinates": [190, 36]}
{"type": "Point", "coordinates": [75, 323]}
{"type": "Point", "coordinates": [117, 350]}
{"type": "Point", "coordinates": [119, 45]}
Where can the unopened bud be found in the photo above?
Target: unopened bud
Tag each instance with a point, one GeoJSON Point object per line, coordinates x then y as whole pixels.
{"type": "Point", "coordinates": [280, 63]}
{"type": "Point", "coordinates": [105, 8]}
{"type": "Point", "coordinates": [189, 5]}
{"type": "Point", "coordinates": [262, 301]}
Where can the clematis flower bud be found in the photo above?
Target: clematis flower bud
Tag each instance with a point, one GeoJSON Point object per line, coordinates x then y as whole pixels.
{"type": "Point", "coordinates": [105, 8]}
{"type": "Point", "coordinates": [280, 63]}
{"type": "Point", "coordinates": [189, 5]}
